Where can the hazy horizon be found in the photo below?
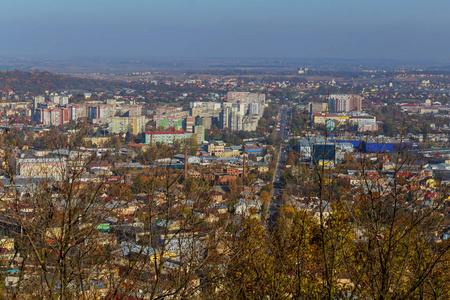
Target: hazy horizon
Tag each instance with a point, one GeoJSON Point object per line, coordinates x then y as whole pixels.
{"type": "Point", "coordinates": [399, 30]}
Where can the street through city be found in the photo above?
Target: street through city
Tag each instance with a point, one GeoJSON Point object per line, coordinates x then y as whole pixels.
{"type": "Point", "coordinates": [282, 133]}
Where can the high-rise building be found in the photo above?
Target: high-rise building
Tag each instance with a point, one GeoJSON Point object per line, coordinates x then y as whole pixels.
{"type": "Point", "coordinates": [199, 132]}
{"type": "Point", "coordinates": [206, 122]}
{"type": "Point", "coordinates": [99, 112]}
{"type": "Point", "coordinates": [235, 120]}
{"type": "Point", "coordinates": [131, 110]}
{"type": "Point", "coordinates": [189, 124]}
{"type": "Point", "coordinates": [246, 97]}
{"type": "Point", "coordinates": [63, 100]}
{"type": "Point", "coordinates": [345, 102]}
{"type": "Point", "coordinates": [134, 125]}
{"type": "Point", "coordinates": [55, 117]}
{"type": "Point", "coordinates": [59, 99]}
{"type": "Point", "coordinates": [77, 111]}
{"type": "Point", "coordinates": [250, 123]}
{"type": "Point", "coordinates": [225, 117]}
{"type": "Point", "coordinates": [356, 103]}
{"type": "Point", "coordinates": [54, 99]}
{"type": "Point", "coordinates": [37, 100]}
{"type": "Point", "coordinates": [255, 109]}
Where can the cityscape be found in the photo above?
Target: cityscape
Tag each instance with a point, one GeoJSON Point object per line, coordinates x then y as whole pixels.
{"type": "Point", "coordinates": [243, 173]}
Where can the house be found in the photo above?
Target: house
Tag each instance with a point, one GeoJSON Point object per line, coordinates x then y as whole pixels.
{"type": "Point", "coordinates": [194, 174]}
{"type": "Point", "coordinates": [324, 208]}
{"type": "Point", "coordinates": [246, 207]}
{"type": "Point", "coordinates": [232, 171]}
{"type": "Point", "coordinates": [224, 179]}
{"type": "Point", "coordinates": [209, 177]}
{"type": "Point", "coordinates": [216, 196]}
{"type": "Point", "coordinates": [263, 168]}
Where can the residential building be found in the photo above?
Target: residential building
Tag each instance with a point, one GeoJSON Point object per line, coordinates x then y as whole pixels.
{"type": "Point", "coordinates": [197, 111]}
{"type": "Point", "coordinates": [206, 122]}
{"type": "Point", "coordinates": [189, 124]}
{"type": "Point", "coordinates": [364, 126]}
{"type": "Point", "coordinates": [131, 110]}
{"type": "Point", "coordinates": [100, 112]}
{"type": "Point", "coordinates": [37, 100]}
{"type": "Point", "coordinates": [317, 107]}
{"type": "Point", "coordinates": [164, 110]}
{"type": "Point", "coordinates": [167, 122]}
{"type": "Point", "coordinates": [322, 118]}
{"type": "Point", "coordinates": [77, 111]}
{"type": "Point", "coordinates": [246, 97]}
{"type": "Point", "coordinates": [134, 125]}
{"type": "Point", "coordinates": [345, 102]}
{"type": "Point", "coordinates": [100, 141]}
{"type": "Point", "coordinates": [199, 132]}
{"type": "Point", "coordinates": [216, 146]}
{"type": "Point", "coordinates": [55, 117]}
{"type": "Point", "coordinates": [166, 137]}
{"type": "Point", "coordinates": [42, 167]}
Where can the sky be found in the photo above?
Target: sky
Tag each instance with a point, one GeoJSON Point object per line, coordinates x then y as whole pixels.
{"type": "Point", "coordinates": [352, 29]}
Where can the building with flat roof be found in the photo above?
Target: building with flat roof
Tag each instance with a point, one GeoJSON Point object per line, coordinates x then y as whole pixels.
{"type": "Point", "coordinates": [199, 132]}
{"type": "Point", "coordinates": [37, 100]}
{"type": "Point", "coordinates": [345, 102]}
{"type": "Point", "coordinates": [166, 137]}
{"type": "Point", "coordinates": [42, 167]}
{"type": "Point", "coordinates": [134, 125]}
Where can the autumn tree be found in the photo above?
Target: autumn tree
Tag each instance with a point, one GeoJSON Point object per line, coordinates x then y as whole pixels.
{"type": "Point", "coordinates": [192, 145]}
{"type": "Point", "coordinates": [398, 222]}
{"type": "Point", "coordinates": [83, 234]}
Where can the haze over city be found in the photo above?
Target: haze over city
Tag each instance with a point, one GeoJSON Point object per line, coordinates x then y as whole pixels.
{"type": "Point", "coordinates": [407, 30]}
{"type": "Point", "coordinates": [193, 149]}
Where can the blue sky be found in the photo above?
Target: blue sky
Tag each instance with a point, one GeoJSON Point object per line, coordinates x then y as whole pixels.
{"type": "Point", "coordinates": [364, 29]}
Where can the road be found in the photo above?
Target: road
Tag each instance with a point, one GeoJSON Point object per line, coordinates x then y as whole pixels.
{"type": "Point", "coordinates": [275, 202]}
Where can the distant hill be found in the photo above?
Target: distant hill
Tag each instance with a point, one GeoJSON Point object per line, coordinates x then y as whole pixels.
{"type": "Point", "coordinates": [38, 82]}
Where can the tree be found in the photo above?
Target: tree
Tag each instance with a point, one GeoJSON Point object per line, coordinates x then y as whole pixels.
{"type": "Point", "coordinates": [62, 216]}
{"type": "Point", "coordinates": [290, 159]}
{"type": "Point", "coordinates": [192, 145]}
{"type": "Point", "coordinates": [398, 255]}
{"type": "Point", "coordinates": [372, 242]}
{"type": "Point", "coordinates": [232, 186]}
{"type": "Point", "coordinates": [71, 232]}
{"type": "Point", "coordinates": [264, 197]}
{"type": "Point", "coordinates": [177, 147]}
{"type": "Point", "coordinates": [388, 128]}
{"type": "Point", "coordinates": [425, 129]}
{"type": "Point", "coordinates": [129, 136]}
{"type": "Point", "coordinates": [115, 142]}
{"type": "Point", "coordinates": [252, 270]}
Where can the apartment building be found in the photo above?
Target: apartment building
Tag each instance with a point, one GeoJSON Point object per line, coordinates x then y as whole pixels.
{"type": "Point", "coordinates": [166, 137]}
{"type": "Point", "coordinates": [134, 125]}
